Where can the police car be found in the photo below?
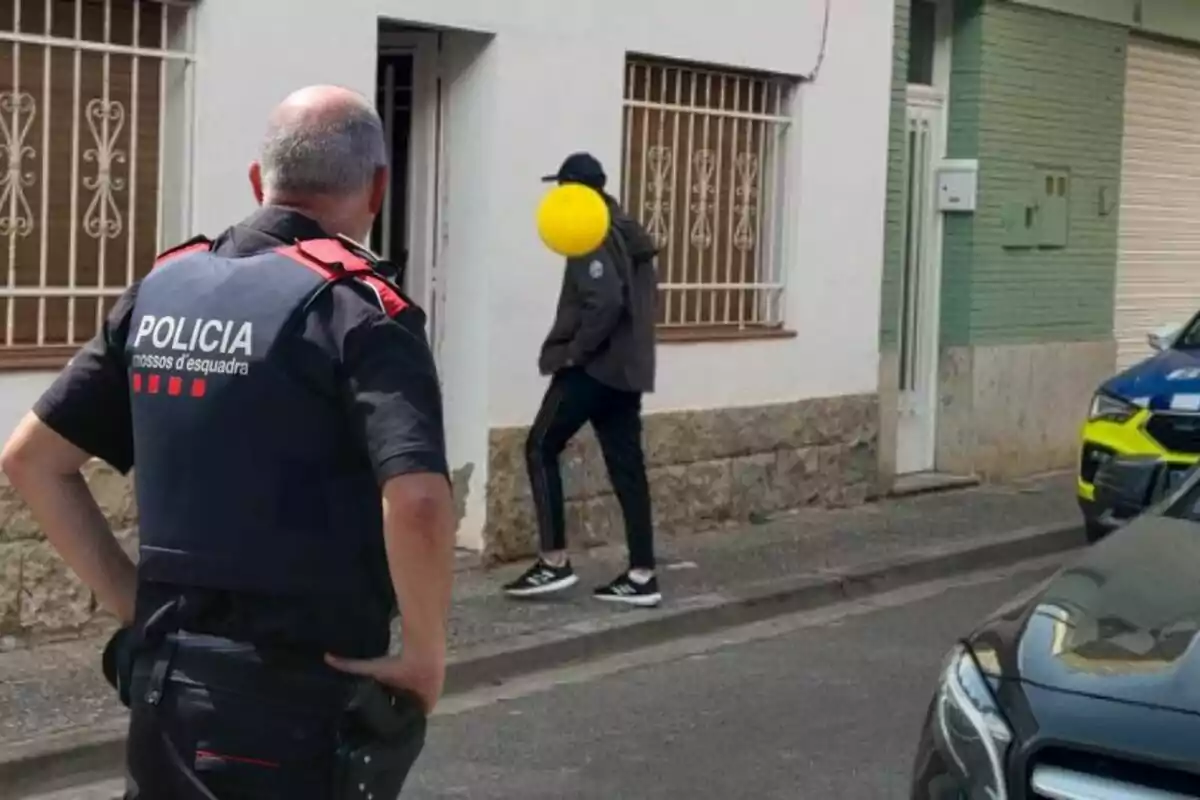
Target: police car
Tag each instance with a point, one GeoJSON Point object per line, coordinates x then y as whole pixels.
{"type": "Point", "coordinates": [1151, 409]}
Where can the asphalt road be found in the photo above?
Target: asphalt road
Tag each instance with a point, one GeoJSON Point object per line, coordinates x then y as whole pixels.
{"type": "Point", "coordinates": [824, 705]}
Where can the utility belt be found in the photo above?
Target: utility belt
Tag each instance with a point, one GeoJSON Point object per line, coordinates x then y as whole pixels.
{"type": "Point", "coordinates": [213, 719]}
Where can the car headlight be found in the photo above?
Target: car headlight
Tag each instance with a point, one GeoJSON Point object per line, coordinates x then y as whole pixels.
{"type": "Point", "coordinates": [1111, 409]}
{"type": "Point", "coordinates": [971, 729]}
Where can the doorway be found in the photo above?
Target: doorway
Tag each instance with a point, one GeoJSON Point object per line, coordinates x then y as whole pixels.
{"type": "Point", "coordinates": [394, 82]}
{"type": "Point", "coordinates": [921, 273]}
{"type": "Point", "coordinates": [409, 100]}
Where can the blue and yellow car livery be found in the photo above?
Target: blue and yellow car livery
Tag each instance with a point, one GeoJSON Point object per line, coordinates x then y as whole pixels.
{"type": "Point", "coordinates": [1150, 409]}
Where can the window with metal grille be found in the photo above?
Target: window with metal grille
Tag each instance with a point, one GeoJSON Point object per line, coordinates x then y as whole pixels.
{"type": "Point", "coordinates": [704, 171]}
{"type": "Point", "coordinates": [96, 118]}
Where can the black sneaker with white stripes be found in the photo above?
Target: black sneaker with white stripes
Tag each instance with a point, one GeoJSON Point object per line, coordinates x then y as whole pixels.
{"type": "Point", "coordinates": [629, 591]}
{"type": "Point", "coordinates": [542, 578]}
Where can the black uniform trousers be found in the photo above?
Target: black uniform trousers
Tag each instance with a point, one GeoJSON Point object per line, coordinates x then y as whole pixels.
{"type": "Point", "coordinates": [213, 719]}
{"type": "Point", "coordinates": [573, 399]}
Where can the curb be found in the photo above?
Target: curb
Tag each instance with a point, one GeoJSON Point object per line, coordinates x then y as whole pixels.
{"type": "Point", "coordinates": [700, 614]}
{"type": "Point", "coordinates": [63, 760]}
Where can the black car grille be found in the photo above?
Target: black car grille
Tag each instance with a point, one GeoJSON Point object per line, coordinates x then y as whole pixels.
{"type": "Point", "coordinates": [1179, 433]}
{"type": "Point", "coordinates": [1143, 776]}
{"type": "Point", "coordinates": [1090, 459]}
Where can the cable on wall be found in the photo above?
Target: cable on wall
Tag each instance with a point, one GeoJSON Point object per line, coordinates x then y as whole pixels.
{"type": "Point", "coordinates": [812, 76]}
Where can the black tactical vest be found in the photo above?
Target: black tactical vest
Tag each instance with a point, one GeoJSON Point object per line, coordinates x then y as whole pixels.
{"type": "Point", "coordinates": [246, 481]}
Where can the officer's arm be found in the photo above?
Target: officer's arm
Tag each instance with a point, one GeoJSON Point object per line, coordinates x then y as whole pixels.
{"type": "Point", "coordinates": [601, 299]}
{"type": "Point", "coordinates": [418, 529]}
{"type": "Point", "coordinates": [84, 413]}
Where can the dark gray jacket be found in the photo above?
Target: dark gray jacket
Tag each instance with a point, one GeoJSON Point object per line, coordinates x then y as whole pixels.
{"type": "Point", "coordinates": [607, 310]}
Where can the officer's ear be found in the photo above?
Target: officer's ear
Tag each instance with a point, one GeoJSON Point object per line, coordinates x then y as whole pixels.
{"type": "Point", "coordinates": [256, 183]}
{"type": "Point", "coordinates": [379, 186]}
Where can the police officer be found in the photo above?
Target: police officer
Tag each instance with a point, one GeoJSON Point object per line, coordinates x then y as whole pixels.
{"type": "Point", "coordinates": [279, 400]}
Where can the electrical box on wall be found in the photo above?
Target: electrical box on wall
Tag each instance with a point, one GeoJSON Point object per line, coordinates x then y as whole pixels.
{"type": "Point", "coordinates": [957, 185]}
{"type": "Point", "coordinates": [1054, 206]}
{"type": "Point", "coordinates": [1040, 218]}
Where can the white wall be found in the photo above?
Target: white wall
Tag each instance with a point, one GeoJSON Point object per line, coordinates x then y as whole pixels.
{"type": "Point", "coordinates": [472, 84]}
{"type": "Point", "coordinates": [776, 35]}
{"type": "Point", "coordinates": [18, 392]}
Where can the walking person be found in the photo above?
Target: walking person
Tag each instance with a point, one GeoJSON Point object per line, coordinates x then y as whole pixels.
{"type": "Point", "coordinates": [280, 402]}
{"type": "Point", "coordinates": [600, 357]}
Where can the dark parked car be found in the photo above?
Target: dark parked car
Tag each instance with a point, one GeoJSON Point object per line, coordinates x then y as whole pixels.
{"type": "Point", "coordinates": [1088, 686]}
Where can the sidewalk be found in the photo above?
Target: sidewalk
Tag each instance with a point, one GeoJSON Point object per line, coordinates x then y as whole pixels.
{"type": "Point", "coordinates": [805, 558]}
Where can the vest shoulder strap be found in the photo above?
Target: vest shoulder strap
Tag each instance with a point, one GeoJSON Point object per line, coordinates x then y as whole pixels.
{"type": "Point", "coordinates": [196, 244]}
{"type": "Point", "coordinates": [338, 259]}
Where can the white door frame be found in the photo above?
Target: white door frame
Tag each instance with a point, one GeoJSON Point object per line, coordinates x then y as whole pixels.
{"type": "Point", "coordinates": [424, 158]}
{"type": "Point", "coordinates": [916, 444]}
{"type": "Point", "coordinates": [920, 301]}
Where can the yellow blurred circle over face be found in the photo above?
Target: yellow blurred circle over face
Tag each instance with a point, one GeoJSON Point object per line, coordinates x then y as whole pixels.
{"type": "Point", "coordinates": [573, 220]}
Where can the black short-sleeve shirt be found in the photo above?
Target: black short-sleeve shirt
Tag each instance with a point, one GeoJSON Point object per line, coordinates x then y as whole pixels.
{"type": "Point", "coordinates": [387, 379]}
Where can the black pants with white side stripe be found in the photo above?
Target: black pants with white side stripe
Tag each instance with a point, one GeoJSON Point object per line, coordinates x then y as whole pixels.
{"type": "Point", "coordinates": [573, 399]}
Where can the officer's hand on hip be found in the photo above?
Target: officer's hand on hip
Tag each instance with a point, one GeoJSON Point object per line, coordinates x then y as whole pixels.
{"type": "Point", "coordinates": [421, 675]}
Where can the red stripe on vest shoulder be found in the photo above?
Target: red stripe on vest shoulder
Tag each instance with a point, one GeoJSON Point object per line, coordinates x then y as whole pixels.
{"type": "Point", "coordinates": [392, 302]}
{"type": "Point", "coordinates": [197, 245]}
{"type": "Point", "coordinates": [325, 256]}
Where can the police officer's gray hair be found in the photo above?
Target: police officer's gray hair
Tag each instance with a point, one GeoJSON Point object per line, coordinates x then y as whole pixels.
{"type": "Point", "coordinates": [333, 155]}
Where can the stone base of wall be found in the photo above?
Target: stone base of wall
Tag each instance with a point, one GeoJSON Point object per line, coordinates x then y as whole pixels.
{"type": "Point", "coordinates": [39, 597]}
{"type": "Point", "coordinates": [705, 468]}
{"type": "Point", "coordinates": [1009, 411]}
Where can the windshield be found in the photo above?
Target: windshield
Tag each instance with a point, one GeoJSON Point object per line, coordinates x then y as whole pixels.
{"type": "Point", "coordinates": [1189, 338]}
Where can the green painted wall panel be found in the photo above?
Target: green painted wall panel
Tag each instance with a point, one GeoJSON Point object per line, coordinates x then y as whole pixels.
{"type": "Point", "coordinates": [894, 222]}
{"type": "Point", "coordinates": [1177, 19]}
{"type": "Point", "coordinates": [1033, 89]}
{"type": "Point", "coordinates": [962, 141]}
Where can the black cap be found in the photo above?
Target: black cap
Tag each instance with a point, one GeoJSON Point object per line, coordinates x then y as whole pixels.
{"type": "Point", "coordinates": [580, 168]}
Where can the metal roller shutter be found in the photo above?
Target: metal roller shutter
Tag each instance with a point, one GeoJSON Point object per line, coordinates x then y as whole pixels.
{"type": "Point", "coordinates": [1158, 269]}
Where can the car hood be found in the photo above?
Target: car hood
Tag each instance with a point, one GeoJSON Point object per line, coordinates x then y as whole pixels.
{"type": "Point", "coordinates": [1121, 623]}
{"type": "Point", "coordinates": [1170, 379]}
